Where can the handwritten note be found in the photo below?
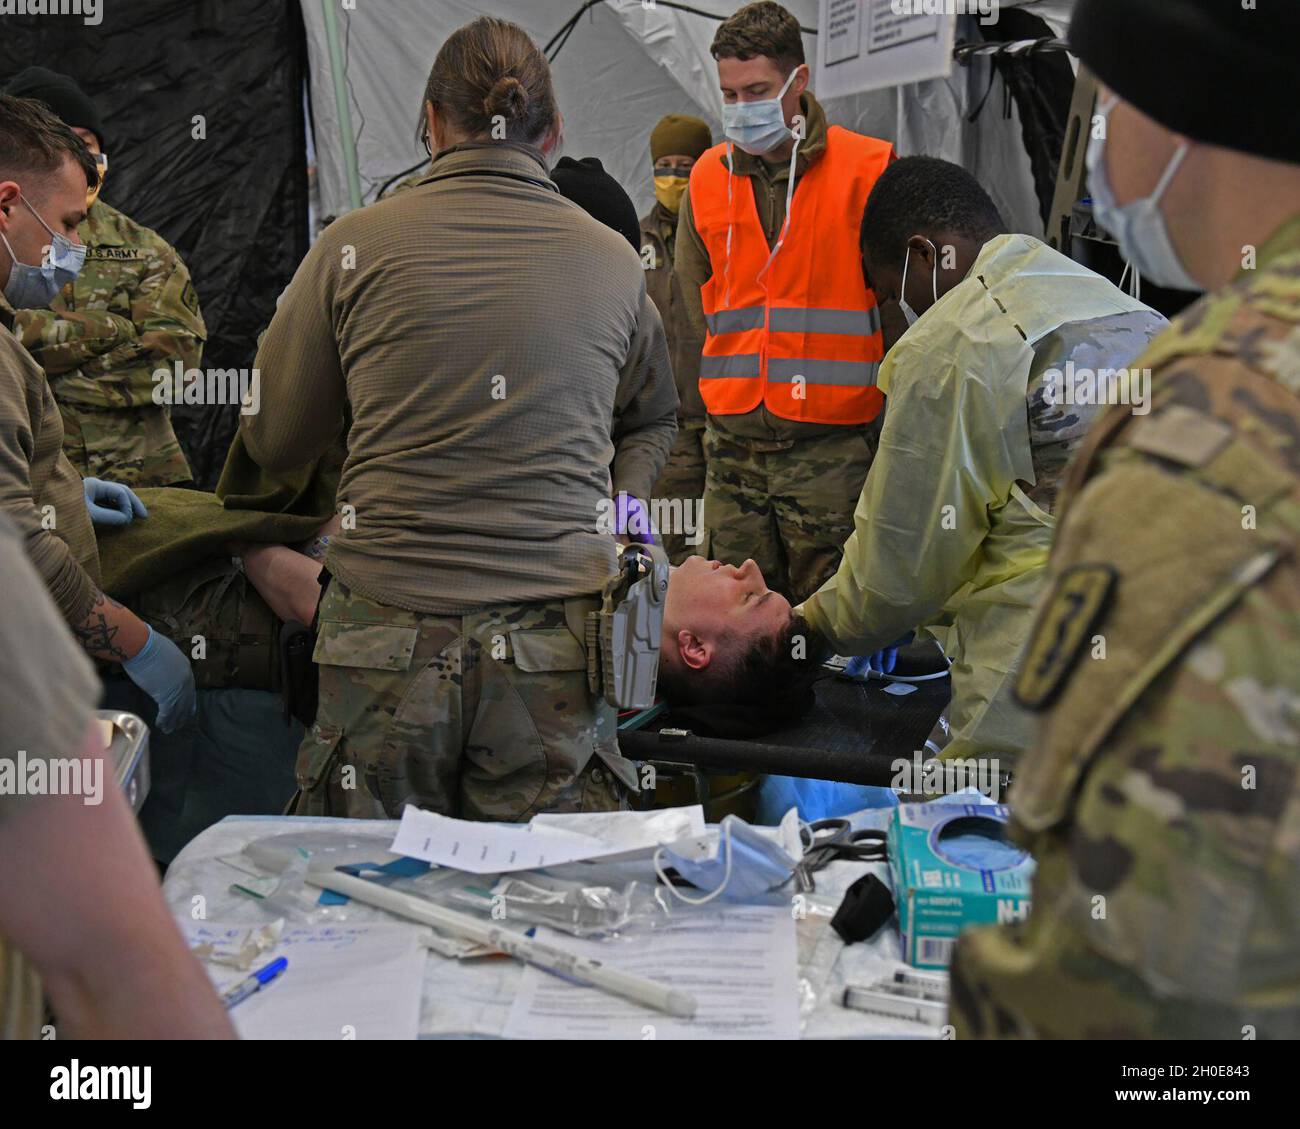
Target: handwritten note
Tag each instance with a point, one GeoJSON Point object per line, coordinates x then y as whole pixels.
{"type": "Point", "coordinates": [343, 981]}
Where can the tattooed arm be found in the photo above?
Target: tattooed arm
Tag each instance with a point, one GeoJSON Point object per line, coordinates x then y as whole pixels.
{"type": "Point", "coordinates": [111, 631]}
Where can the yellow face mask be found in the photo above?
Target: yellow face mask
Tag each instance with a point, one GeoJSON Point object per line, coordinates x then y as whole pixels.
{"type": "Point", "coordinates": [669, 191]}
{"type": "Point", "coordinates": [92, 194]}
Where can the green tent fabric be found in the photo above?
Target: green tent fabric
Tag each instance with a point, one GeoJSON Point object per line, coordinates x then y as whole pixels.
{"type": "Point", "coordinates": [185, 527]}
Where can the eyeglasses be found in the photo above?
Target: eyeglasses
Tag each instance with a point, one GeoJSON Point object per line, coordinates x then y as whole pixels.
{"type": "Point", "coordinates": [92, 194]}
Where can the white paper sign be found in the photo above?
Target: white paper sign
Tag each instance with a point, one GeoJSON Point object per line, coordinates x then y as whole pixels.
{"type": "Point", "coordinates": [870, 44]}
{"type": "Point", "coordinates": [492, 848]}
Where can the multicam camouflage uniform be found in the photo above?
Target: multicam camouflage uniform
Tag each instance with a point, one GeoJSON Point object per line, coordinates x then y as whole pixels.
{"type": "Point", "coordinates": [680, 489]}
{"type": "Point", "coordinates": [214, 600]}
{"type": "Point", "coordinates": [1162, 800]}
{"type": "Point", "coordinates": [680, 492]}
{"type": "Point", "coordinates": [132, 310]}
{"type": "Point", "coordinates": [787, 503]}
{"type": "Point", "coordinates": [484, 716]}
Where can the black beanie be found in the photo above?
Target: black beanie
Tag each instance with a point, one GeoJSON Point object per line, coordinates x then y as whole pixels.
{"type": "Point", "coordinates": [588, 185]}
{"type": "Point", "coordinates": [62, 95]}
{"type": "Point", "coordinates": [1213, 70]}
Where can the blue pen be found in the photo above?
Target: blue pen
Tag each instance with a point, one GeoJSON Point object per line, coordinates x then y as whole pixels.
{"type": "Point", "coordinates": [255, 983]}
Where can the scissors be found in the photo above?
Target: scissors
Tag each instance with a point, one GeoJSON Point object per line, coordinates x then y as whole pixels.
{"type": "Point", "coordinates": [826, 840]}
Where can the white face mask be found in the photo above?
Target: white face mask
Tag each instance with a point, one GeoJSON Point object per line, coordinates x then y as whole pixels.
{"type": "Point", "coordinates": [1138, 226]}
{"type": "Point", "coordinates": [910, 314]}
{"type": "Point", "coordinates": [758, 127]}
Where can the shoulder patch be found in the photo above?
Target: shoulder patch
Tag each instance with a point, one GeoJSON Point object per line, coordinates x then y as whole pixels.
{"type": "Point", "coordinates": [109, 253]}
{"type": "Point", "coordinates": [1073, 608]}
{"type": "Point", "coordinates": [190, 298]}
{"type": "Point", "coordinates": [1181, 435]}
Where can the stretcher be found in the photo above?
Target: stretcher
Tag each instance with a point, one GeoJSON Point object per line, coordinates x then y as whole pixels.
{"type": "Point", "coordinates": [854, 733]}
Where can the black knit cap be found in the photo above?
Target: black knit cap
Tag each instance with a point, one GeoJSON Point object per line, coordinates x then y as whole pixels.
{"type": "Point", "coordinates": [1216, 71]}
{"type": "Point", "coordinates": [62, 95]}
{"type": "Point", "coordinates": [588, 185]}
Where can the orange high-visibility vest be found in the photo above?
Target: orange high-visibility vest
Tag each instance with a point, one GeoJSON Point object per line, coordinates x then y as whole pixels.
{"type": "Point", "coordinates": [805, 339]}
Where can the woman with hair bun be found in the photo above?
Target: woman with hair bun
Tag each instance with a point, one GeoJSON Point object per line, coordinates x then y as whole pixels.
{"type": "Point", "coordinates": [501, 375]}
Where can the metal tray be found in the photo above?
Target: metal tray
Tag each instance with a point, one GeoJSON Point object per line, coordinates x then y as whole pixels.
{"type": "Point", "coordinates": [129, 754]}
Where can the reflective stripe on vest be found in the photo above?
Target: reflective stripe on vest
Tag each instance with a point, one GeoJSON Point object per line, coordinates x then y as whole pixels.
{"type": "Point", "coordinates": [863, 323]}
{"type": "Point", "coordinates": [790, 370]}
{"type": "Point", "coordinates": [803, 336]}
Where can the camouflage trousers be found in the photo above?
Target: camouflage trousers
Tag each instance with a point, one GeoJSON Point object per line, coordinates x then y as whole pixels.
{"type": "Point", "coordinates": [133, 446]}
{"type": "Point", "coordinates": [675, 506]}
{"type": "Point", "coordinates": [483, 716]}
{"type": "Point", "coordinates": [788, 504]}
{"type": "Point", "coordinates": [213, 613]}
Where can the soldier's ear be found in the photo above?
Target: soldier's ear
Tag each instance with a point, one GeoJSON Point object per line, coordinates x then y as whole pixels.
{"type": "Point", "coordinates": [922, 248]}
{"type": "Point", "coordinates": [10, 193]}
{"type": "Point", "coordinates": [694, 652]}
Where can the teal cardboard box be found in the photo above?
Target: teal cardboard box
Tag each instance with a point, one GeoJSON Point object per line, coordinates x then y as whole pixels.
{"type": "Point", "coordinates": [953, 868]}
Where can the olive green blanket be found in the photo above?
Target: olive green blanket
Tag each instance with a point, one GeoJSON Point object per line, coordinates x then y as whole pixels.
{"type": "Point", "coordinates": [187, 526]}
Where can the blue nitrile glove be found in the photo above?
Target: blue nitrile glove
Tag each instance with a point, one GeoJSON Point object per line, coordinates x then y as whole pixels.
{"type": "Point", "coordinates": [163, 672]}
{"type": "Point", "coordinates": [111, 503]}
{"type": "Point", "coordinates": [882, 662]}
{"type": "Point", "coordinates": [633, 520]}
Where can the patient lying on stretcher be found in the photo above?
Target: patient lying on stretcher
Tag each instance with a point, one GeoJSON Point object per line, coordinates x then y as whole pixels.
{"type": "Point", "coordinates": [729, 639]}
{"type": "Point", "coordinates": [726, 638]}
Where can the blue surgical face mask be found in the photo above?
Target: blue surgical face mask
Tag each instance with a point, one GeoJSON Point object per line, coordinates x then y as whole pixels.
{"type": "Point", "coordinates": [748, 867]}
{"type": "Point", "coordinates": [903, 304]}
{"type": "Point", "coordinates": [758, 127]}
{"type": "Point", "coordinates": [1138, 226]}
{"type": "Point", "coordinates": [34, 288]}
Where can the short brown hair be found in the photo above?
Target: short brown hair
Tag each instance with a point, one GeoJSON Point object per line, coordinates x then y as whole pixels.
{"type": "Point", "coordinates": [765, 29]}
{"type": "Point", "coordinates": [35, 143]}
{"type": "Point", "coordinates": [772, 673]}
{"type": "Point", "coordinates": [487, 69]}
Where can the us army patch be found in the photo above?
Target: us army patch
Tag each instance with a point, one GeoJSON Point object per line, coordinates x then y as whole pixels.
{"type": "Point", "coordinates": [116, 254]}
{"type": "Point", "coordinates": [190, 298]}
{"type": "Point", "coordinates": [1071, 611]}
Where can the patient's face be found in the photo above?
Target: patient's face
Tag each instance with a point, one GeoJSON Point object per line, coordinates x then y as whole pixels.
{"type": "Point", "coordinates": [724, 605]}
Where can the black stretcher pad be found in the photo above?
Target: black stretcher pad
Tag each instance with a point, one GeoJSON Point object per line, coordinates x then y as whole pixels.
{"type": "Point", "coordinates": [855, 733]}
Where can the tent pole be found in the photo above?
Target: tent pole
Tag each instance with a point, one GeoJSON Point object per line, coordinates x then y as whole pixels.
{"type": "Point", "coordinates": [341, 101]}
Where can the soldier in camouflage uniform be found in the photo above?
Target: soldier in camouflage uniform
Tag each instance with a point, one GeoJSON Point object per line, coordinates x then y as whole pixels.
{"type": "Point", "coordinates": [131, 311]}
{"type": "Point", "coordinates": [398, 686]}
{"type": "Point", "coordinates": [1161, 798]}
{"type": "Point", "coordinates": [988, 399]}
{"type": "Point", "coordinates": [453, 672]}
{"type": "Point", "coordinates": [783, 477]}
{"type": "Point", "coordinates": [675, 145]}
